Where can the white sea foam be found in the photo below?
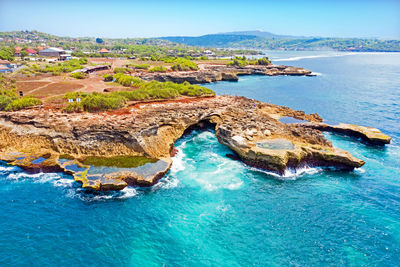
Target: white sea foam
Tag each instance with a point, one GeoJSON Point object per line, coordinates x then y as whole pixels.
{"type": "Point", "coordinates": [317, 73]}
{"type": "Point", "coordinates": [127, 192]}
{"type": "Point", "coordinates": [63, 182]}
{"type": "Point", "coordinates": [235, 186]}
{"type": "Point", "coordinates": [166, 183]}
{"type": "Point", "coordinates": [290, 174]}
{"type": "Point", "coordinates": [178, 163]}
{"type": "Point", "coordinates": [359, 170]}
{"type": "Point", "coordinates": [37, 177]}
{"type": "Point", "coordinates": [6, 169]}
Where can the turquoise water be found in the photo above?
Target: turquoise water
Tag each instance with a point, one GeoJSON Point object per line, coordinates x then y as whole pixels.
{"type": "Point", "coordinates": [212, 210]}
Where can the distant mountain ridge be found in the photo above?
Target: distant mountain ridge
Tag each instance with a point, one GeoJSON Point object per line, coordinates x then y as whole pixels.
{"type": "Point", "coordinates": [262, 34]}
{"type": "Point", "coordinates": [270, 41]}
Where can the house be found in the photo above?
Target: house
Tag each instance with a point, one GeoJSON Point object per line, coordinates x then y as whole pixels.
{"type": "Point", "coordinates": [104, 51]}
{"type": "Point", "coordinates": [18, 51]}
{"type": "Point", "coordinates": [51, 52]}
{"type": "Point", "coordinates": [31, 51]}
{"type": "Point", "coordinates": [65, 57]}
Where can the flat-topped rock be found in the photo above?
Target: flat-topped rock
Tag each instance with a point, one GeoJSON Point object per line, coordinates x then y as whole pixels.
{"type": "Point", "coordinates": [369, 134]}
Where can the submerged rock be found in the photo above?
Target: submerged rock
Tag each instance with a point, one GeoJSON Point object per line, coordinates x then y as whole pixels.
{"type": "Point", "coordinates": [37, 138]}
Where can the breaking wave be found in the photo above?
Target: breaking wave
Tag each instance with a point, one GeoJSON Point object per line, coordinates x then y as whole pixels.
{"type": "Point", "coordinates": [290, 174]}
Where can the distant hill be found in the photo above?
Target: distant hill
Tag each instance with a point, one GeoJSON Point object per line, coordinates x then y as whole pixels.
{"type": "Point", "coordinates": [262, 34]}
{"type": "Point", "coordinates": [237, 40]}
{"type": "Point", "coordinates": [212, 40]}
{"type": "Point", "coordinates": [270, 41]}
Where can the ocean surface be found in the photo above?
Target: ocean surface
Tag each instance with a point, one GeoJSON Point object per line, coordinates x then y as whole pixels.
{"type": "Point", "coordinates": [210, 210]}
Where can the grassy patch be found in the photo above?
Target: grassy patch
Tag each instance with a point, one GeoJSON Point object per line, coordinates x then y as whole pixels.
{"type": "Point", "coordinates": [118, 161]}
{"type": "Point", "coordinates": [122, 70]}
{"type": "Point", "coordinates": [158, 69]}
{"type": "Point", "coordinates": [66, 156]}
{"type": "Point", "coordinates": [184, 65]}
{"type": "Point", "coordinates": [79, 75]}
{"type": "Point", "coordinates": [142, 66]}
{"type": "Point", "coordinates": [138, 90]}
{"type": "Point", "coordinates": [22, 103]}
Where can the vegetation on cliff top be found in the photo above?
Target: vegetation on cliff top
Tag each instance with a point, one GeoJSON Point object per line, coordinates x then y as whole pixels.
{"type": "Point", "coordinates": [158, 69]}
{"type": "Point", "coordinates": [9, 99]}
{"type": "Point", "coordinates": [184, 65]}
{"type": "Point", "coordinates": [242, 61]}
{"type": "Point", "coordinates": [138, 90]}
{"type": "Point", "coordinates": [55, 68]}
{"type": "Point", "coordinates": [117, 161]}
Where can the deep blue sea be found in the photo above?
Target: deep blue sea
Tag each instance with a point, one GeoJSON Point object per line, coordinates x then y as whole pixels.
{"type": "Point", "coordinates": [213, 211]}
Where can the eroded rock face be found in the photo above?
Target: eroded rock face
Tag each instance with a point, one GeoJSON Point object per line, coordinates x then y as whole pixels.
{"type": "Point", "coordinates": [250, 128]}
{"type": "Point", "coordinates": [212, 73]}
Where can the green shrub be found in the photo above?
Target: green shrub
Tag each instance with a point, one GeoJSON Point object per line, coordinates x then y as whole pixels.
{"type": "Point", "coordinates": [158, 69]}
{"type": "Point", "coordinates": [79, 75]}
{"type": "Point", "coordinates": [83, 61]}
{"type": "Point", "coordinates": [184, 65]}
{"type": "Point", "coordinates": [122, 70]}
{"type": "Point", "coordinates": [21, 103]}
{"type": "Point", "coordinates": [108, 77]}
{"type": "Point", "coordinates": [239, 62]}
{"type": "Point", "coordinates": [95, 102]}
{"type": "Point", "coordinates": [73, 107]}
{"type": "Point", "coordinates": [142, 66]}
{"type": "Point", "coordinates": [152, 90]}
{"type": "Point", "coordinates": [74, 95]}
{"type": "Point", "coordinates": [263, 61]}
{"type": "Point", "coordinates": [4, 101]}
{"type": "Point", "coordinates": [127, 80]}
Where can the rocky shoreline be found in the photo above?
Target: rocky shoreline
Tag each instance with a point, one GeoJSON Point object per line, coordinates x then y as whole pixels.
{"type": "Point", "coordinates": [47, 140]}
{"type": "Point", "coordinates": [208, 73]}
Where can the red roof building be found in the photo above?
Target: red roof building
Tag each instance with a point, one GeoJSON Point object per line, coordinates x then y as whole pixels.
{"type": "Point", "coordinates": [104, 51]}
{"type": "Point", "coordinates": [18, 50]}
{"type": "Point", "coordinates": [30, 51]}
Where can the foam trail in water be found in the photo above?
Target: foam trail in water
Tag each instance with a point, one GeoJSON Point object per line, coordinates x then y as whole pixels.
{"type": "Point", "coordinates": [87, 195]}
{"type": "Point", "coordinates": [315, 56]}
{"type": "Point", "coordinates": [37, 177]}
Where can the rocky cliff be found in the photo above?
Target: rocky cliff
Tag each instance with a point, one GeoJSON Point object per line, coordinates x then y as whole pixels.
{"type": "Point", "coordinates": [49, 140]}
{"type": "Point", "coordinates": [211, 73]}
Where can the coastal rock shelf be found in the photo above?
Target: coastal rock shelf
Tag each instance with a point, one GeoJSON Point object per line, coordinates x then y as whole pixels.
{"type": "Point", "coordinates": [208, 73]}
{"type": "Point", "coordinates": [86, 145]}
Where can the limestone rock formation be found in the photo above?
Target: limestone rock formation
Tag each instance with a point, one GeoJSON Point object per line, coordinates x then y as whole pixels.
{"type": "Point", "coordinates": [208, 73]}
{"type": "Point", "coordinates": [36, 139]}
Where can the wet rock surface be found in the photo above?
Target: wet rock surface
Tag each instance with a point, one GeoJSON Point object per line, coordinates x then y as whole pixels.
{"type": "Point", "coordinates": [36, 139]}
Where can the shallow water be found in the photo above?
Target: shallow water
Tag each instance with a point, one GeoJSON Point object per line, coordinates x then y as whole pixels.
{"type": "Point", "coordinates": [212, 210]}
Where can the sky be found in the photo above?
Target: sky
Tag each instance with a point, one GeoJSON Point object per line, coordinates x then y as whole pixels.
{"type": "Point", "coordinates": [155, 18]}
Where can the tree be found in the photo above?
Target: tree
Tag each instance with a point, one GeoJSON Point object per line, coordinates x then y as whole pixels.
{"type": "Point", "coordinates": [23, 53]}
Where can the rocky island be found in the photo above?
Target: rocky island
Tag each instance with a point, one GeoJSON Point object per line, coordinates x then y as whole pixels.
{"type": "Point", "coordinates": [140, 139]}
